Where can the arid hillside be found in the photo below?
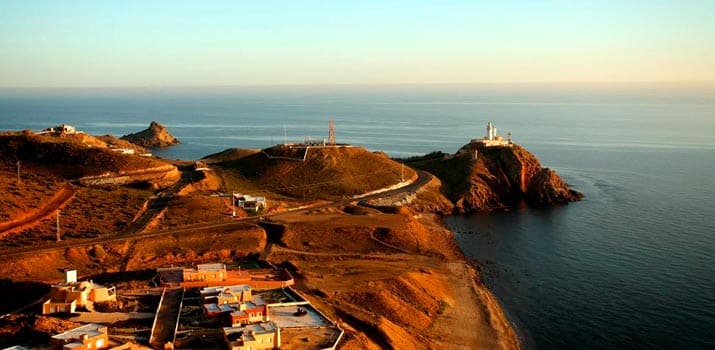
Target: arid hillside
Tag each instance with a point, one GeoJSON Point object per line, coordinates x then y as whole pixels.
{"type": "Point", "coordinates": [56, 172]}
{"type": "Point", "coordinates": [393, 280]}
{"type": "Point", "coordinates": [231, 154]}
{"type": "Point", "coordinates": [313, 173]}
{"type": "Point", "coordinates": [69, 156]}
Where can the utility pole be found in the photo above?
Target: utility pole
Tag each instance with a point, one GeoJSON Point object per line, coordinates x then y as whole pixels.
{"type": "Point", "coordinates": [18, 172]}
{"type": "Point", "coordinates": [58, 225]}
{"type": "Point", "coordinates": [233, 204]}
{"type": "Point", "coordinates": [285, 135]}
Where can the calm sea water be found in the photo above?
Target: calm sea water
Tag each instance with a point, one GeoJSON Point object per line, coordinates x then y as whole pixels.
{"type": "Point", "coordinates": [632, 266]}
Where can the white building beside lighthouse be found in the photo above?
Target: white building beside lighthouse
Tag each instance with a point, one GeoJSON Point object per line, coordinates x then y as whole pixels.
{"type": "Point", "coordinates": [492, 139]}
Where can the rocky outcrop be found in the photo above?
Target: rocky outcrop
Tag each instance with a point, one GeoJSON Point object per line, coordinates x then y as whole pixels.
{"type": "Point", "coordinates": [155, 136]}
{"type": "Point", "coordinates": [499, 177]}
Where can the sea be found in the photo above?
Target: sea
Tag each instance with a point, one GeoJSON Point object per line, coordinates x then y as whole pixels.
{"type": "Point", "coordinates": [632, 266]}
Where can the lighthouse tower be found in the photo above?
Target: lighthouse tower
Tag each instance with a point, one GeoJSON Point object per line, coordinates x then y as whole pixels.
{"type": "Point", "coordinates": [491, 132]}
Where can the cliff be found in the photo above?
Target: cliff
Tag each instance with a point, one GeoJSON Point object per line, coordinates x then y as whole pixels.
{"type": "Point", "coordinates": [500, 177]}
{"type": "Point", "coordinates": [153, 137]}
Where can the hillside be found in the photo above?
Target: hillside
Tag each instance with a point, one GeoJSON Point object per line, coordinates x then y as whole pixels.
{"type": "Point", "coordinates": [69, 157]}
{"type": "Point", "coordinates": [154, 136]}
{"type": "Point", "coordinates": [498, 179]}
{"type": "Point", "coordinates": [230, 154]}
{"type": "Point", "coordinates": [321, 173]}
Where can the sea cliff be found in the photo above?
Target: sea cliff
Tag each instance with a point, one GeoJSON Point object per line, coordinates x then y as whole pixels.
{"type": "Point", "coordinates": [482, 178]}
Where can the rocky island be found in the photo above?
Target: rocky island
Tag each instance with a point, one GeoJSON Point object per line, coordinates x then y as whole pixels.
{"type": "Point", "coordinates": [155, 136]}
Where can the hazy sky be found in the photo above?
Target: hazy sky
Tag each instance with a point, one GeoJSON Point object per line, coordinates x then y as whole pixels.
{"type": "Point", "coordinates": [175, 43]}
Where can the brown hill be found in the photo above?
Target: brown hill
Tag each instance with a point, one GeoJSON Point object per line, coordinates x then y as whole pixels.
{"type": "Point", "coordinates": [313, 173]}
{"type": "Point", "coordinates": [230, 154]}
{"type": "Point", "coordinates": [153, 137]}
{"type": "Point", "coordinates": [499, 178]}
{"type": "Point", "coordinates": [68, 157]}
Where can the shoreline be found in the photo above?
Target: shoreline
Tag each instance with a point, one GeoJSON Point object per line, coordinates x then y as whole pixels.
{"type": "Point", "coordinates": [500, 324]}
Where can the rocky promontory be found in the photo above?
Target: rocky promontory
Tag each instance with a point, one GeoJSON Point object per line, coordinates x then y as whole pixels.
{"type": "Point", "coordinates": [483, 178]}
{"type": "Point", "coordinates": [155, 136]}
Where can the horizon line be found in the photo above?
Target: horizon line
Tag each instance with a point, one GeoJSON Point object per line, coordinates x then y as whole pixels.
{"type": "Point", "coordinates": [544, 82]}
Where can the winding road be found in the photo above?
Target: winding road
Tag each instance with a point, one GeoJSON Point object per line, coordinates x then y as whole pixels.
{"type": "Point", "coordinates": [422, 179]}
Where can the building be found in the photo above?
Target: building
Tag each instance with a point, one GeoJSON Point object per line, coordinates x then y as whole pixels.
{"type": "Point", "coordinates": [266, 335]}
{"type": "Point", "coordinates": [237, 302]}
{"type": "Point", "coordinates": [70, 294]}
{"type": "Point", "coordinates": [201, 273]}
{"type": "Point", "coordinates": [492, 139]}
{"type": "Point", "coordinates": [229, 294]}
{"type": "Point", "coordinates": [205, 272]}
{"type": "Point", "coordinates": [60, 129]}
{"type": "Point", "coordinates": [249, 313]}
{"type": "Point", "coordinates": [89, 336]}
{"type": "Point", "coordinates": [248, 202]}
{"type": "Point", "coordinates": [216, 310]}
{"type": "Point", "coordinates": [128, 151]}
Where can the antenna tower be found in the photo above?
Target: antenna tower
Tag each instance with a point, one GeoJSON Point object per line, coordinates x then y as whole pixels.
{"type": "Point", "coordinates": [331, 133]}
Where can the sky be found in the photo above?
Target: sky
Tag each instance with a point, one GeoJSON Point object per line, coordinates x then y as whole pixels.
{"type": "Point", "coordinates": [216, 43]}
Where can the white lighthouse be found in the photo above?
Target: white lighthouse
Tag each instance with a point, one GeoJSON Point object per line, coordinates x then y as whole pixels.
{"type": "Point", "coordinates": [491, 132]}
{"type": "Point", "coordinates": [493, 139]}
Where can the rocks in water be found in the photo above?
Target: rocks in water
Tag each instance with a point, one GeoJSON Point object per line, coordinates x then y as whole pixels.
{"type": "Point", "coordinates": [155, 136]}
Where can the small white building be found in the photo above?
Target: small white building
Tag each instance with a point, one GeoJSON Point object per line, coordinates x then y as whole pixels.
{"type": "Point", "coordinates": [493, 139]}
{"type": "Point", "coordinates": [248, 202]}
{"type": "Point", "coordinates": [60, 129]}
{"type": "Point", "coordinates": [68, 295]}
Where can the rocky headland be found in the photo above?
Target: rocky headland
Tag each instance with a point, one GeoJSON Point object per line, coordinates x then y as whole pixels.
{"type": "Point", "coordinates": [385, 269]}
{"type": "Point", "coordinates": [482, 178]}
{"type": "Point", "coordinates": [155, 136]}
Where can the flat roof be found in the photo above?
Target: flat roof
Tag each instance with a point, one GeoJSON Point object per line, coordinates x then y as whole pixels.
{"type": "Point", "coordinates": [91, 330]}
{"type": "Point", "coordinates": [218, 308]}
{"type": "Point", "coordinates": [259, 328]}
{"type": "Point", "coordinates": [284, 317]}
{"type": "Point", "coordinates": [222, 289]}
{"type": "Point", "coordinates": [210, 267]}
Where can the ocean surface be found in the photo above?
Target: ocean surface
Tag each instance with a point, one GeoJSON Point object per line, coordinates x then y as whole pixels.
{"type": "Point", "coordinates": [631, 266]}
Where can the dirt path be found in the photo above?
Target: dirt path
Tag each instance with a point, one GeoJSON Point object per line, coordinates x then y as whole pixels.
{"type": "Point", "coordinates": [58, 201]}
{"type": "Point", "coordinates": [473, 320]}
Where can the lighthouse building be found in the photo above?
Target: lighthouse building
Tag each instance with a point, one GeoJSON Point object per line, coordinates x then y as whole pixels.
{"type": "Point", "coordinates": [492, 139]}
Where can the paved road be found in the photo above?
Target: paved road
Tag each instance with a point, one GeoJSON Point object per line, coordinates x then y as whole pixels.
{"type": "Point", "coordinates": [422, 179]}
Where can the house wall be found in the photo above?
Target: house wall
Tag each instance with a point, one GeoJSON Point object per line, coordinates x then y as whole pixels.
{"type": "Point", "coordinates": [190, 276]}
{"type": "Point", "coordinates": [262, 341]}
{"type": "Point", "coordinates": [50, 307]}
